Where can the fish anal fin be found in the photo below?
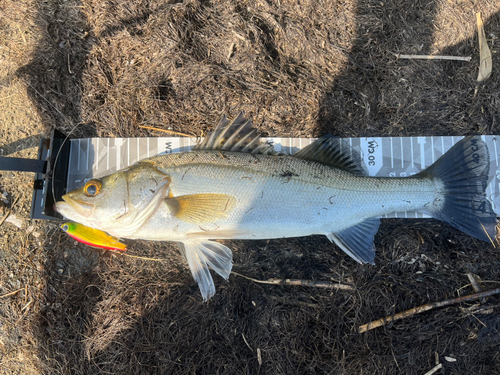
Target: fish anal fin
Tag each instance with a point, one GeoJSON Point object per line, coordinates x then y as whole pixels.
{"type": "Point", "coordinates": [202, 255]}
{"type": "Point", "coordinates": [334, 152]}
{"type": "Point", "coordinates": [357, 241]}
{"type": "Point", "coordinates": [201, 208]}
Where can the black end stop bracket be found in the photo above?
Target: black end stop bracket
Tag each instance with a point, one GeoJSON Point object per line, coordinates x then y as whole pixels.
{"type": "Point", "coordinates": [51, 172]}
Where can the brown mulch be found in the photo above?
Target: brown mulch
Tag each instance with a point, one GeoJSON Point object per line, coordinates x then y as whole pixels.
{"type": "Point", "coordinates": [299, 69]}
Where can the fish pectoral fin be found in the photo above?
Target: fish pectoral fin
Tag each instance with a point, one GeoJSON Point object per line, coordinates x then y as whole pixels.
{"type": "Point", "coordinates": [201, 208]}
{"type": "Point", "coordinates": [203, 254]}
{"type": "Point", "coordinates": [357, 241]}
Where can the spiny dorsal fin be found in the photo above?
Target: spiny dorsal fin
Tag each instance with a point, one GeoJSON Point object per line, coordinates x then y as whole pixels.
{"type": "Point", "coordinates": [236, 136]}
{"type": "Point", "coordinates": [334, 152]}
{"type": "Point", "coordinates": [201, 208]}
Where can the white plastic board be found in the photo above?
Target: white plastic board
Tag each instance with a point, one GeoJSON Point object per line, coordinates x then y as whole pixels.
{"type": "Point", "coordinates": [383, 156]}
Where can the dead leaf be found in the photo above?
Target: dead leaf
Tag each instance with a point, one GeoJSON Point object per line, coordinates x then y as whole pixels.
{"type": "Point", "coordinates": [15, 221]}
{"type": "Point", "coordinates": [486, 62]}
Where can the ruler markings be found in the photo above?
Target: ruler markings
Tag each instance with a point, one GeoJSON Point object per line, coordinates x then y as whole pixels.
{"type": "Point", "coordinates": [293, 144]}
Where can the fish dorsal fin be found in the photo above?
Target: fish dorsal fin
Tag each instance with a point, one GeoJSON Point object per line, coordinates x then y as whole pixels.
{"type": "Point", "coordinates": [357, 241]}
{"type": "Point", "coordinates": [202, 254]}
{"type": "Point", "coordinates": [334, 152]}
{"type": "Point", "coordinates": [238, 135]}
{"type": "Point", "coordinates": [201, 208]}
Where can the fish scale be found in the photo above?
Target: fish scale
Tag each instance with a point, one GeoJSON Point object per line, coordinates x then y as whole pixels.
{"type": "Point", "coordinates": [281, 196]}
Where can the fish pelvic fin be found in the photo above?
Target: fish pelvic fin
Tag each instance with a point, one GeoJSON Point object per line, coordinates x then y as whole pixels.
{"type": "Point", "coordinates": [357, 241]}
{"type": "Point", "coordinates": [461, 177]}
{"type": "Point", "coordinates": [202, 255]}
{"type": "Point", "coordinates": [238, 135]}
{"type": "Point", "coordinates": [201, 208]}
{"type": "Point", "coordinates": [334, 152]}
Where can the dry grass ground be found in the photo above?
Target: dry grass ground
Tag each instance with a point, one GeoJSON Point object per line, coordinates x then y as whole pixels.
{"type": "Point", "coordinates": [299, 68]}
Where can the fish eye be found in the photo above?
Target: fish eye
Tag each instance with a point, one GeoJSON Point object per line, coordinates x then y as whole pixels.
{"type": "Point", "coordinates": [65, 227]}
{"type": "Point", "coordinates": [92, 188]}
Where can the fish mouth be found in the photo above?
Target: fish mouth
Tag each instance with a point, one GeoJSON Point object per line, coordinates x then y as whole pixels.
{"type": "Point", "coordinates": [70, 206]}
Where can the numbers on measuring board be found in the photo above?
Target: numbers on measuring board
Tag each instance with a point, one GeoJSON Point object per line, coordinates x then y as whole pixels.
{"type": "Point", "coordinates": [371, 150]}
{"type": "Point", "coordinates": [474, 148]}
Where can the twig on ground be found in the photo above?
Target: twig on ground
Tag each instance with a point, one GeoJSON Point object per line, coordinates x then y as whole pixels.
{"type": "Point", "coordinates": [426, 307]}
{"type": "Point", "coordinates": [433, 370]}
{"type": "Point", "coordinates": [295, 282]}
{"type": "Point", "coordinates": [432, 57]}
{"type": "Point", "coordinates": [475, 281]}
{"type": "Point", "coordinates": [27, 308]}
{"type": "Point", "coordinates": [166, 131]}
{"type": "Point", "coordinates": [11, 293]}
{"type": "Point", "coordinates": [5, 216]}
{"type": "Point", "coordinates": [485, 231]}
{"type": "Point", "coordinates": [10, 210]}
{"type": "Point", "coordinates": [246, 342]}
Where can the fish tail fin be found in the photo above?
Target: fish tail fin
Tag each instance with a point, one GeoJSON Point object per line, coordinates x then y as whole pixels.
{"type": "Point", "coordinates": [461, 175]}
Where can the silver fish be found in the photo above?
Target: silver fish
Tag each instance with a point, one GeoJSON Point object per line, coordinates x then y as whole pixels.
{"type": "Point", "coordinates": [234, 186]}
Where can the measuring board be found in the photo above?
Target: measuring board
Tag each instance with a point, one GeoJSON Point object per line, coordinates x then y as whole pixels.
{"type": "Point", "coordinates": [383, 156]}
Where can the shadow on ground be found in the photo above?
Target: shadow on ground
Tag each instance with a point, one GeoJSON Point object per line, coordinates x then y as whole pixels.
{"type": "Point", "coordinates": [300, 69]}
